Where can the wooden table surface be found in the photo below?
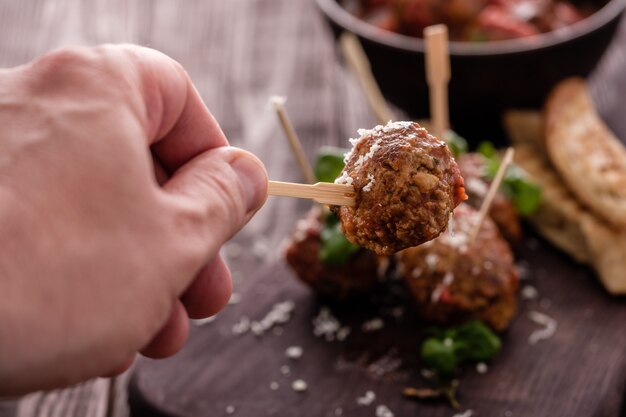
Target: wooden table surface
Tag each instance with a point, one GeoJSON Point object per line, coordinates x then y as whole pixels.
{"type": "Point", "coordinates": [238, 52]}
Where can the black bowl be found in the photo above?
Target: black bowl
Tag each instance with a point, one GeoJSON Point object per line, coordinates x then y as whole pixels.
{"type": "Point", "coordinates": [487, 78]}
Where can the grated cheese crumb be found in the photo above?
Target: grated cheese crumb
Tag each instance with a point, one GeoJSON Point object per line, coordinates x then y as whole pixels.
{"type": "Point", "coordinates": [257, 328]}
{"type": "Point", "coordinates": [260, 248]}
{"type": "Point", "coordinates": [279, 314]}
{"type": "Point", "coordinates": [294, 352]}
{"type": "Point", "coordinates": [447, 280]}
{"type": "Point", "coordinates": [466, 413]}
{"type": "Point", "coordinates": [397, 312]}
{"type": "Point", "coordinates": [431, 261]}
{"type": "Point", "coordinates": [529, 292]}
{"type": "Point", "coordinates": [427, 373]}
{"type": "Point", "coordinates": [230, 409]}
{"type": "Point", "coordinates": [274, 386]}
{"type": "Point", "coordinates": [523, 270]}
{"type": "Point", "coordinates": [344, 178]}
{"type": "Point", "coordinates": [383, 411]}
{"type": "Point", "coordinates": [235, 298]}
{"type": "Point", "coordinates": [549, 329]}
{"type": "Point", "coordinates": [326, 325]}
{"type": "Point", "coordinates": [299, 385]}
{"type": "Point", "coordinates": [476, 186]}
{"type": "Point", "coordinates": [385, 365]}
{"type": "Point", "coordinates": [370, 153]}
{"type": "Point", "coordinates": [343, 333]}
{"type": "Point", "coordinates": [242, 326]}
{"type": "Point", "coordinates": [373, 325]}
{"type": "Point", "coordinates": [285, 370]}
{"type": "Point", "coordinates": [367, 399]}
{"type": "Point", "coordinates": [481, 368]}
{"type": "Point", "coordinates": [370, 184]}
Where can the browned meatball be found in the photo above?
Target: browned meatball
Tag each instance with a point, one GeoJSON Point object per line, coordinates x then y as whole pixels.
{"type": "Point", "coordinates": [502, 210]}
{"type": "Point", "coordinates": [413, 16]}
{"type": "Point", "coordinates": [355, 277]}
{"type": "Point", "coordinates": [454, 282]}
{"type": "Point", "coordinates": [407, 184]}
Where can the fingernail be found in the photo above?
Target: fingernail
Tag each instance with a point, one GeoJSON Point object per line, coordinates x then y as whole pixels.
{"type": "Point", "coordinates": [253, 180]}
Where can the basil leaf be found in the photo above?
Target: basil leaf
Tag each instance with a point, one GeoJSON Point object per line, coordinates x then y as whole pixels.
{"type": "Point", "coordinates": [450, 347]}
{"type": "Point", "coordinates": [329, 163]}
{"type": "Point", "coordinates": [440, 355]}
{"type": "Point", "coordinates": [335, 249]}
{"type": "Point", "coordinates": [487, 150]}
{"type": "Point", "coordinates": [525, 195]}
{"type": "Point", "coordinates": [476, 342]}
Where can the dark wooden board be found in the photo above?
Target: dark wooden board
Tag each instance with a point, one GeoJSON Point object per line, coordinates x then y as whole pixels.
{"type": "Point", "coordinates": [580, 371]}
{"type": "Point", "coordinates": [238, 53]}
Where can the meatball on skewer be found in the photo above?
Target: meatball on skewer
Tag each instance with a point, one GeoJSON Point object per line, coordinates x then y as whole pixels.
{"type": "Point", "coordinates": [502, 211]}
{"type": "Point", "coordinates": [354, 277]}
{"type": "Point", "coordinates": [407, 184]}
{"type": "Point", "coordinates": [453, 281]}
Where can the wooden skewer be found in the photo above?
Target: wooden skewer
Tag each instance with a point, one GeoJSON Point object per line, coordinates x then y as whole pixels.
{"type": "Point", "coordinates": [356, 59]}
{"type": "Point", "coordinates": [294, 141]}
{"type": "Point", "coordinates": [491, 193]}
{"type": "Point", "coordinates": [438, 77]}
{"type": "Point", "coordinates": [322, 192]}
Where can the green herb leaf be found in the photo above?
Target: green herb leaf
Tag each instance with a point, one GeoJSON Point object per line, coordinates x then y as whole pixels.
{"type": "Point", "coordinates": [329, 163]}
{"type": "Point", "coordinates": [335, 249]}
{"type": "Point", "coordinates": [476, 342]}
{"type": "Point", "coordinates": [456, 143]}
{"type": "Point", "coordinates": [525, 195]}
{"type": "Point", "coordinates": [440, 355]}
{"type": "Point", "coordinates": [450, 347]}
{"type": "Point", "coordinates": [487, 150]}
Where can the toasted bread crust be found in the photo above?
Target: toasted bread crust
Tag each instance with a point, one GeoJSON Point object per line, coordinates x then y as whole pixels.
{"type": "Point", "coordinates": [558, 216]}
{"type": "Point", "coordinates": [561, 218]}
{"type": "Point", "coordinates": [587, 155]}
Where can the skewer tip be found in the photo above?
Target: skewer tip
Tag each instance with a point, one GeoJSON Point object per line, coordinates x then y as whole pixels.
{"type": "Point", "coordinates": [278, 100]}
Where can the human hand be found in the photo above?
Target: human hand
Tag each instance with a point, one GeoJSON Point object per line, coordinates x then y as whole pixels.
{"type": "Point", "coordinates": [117, 189]}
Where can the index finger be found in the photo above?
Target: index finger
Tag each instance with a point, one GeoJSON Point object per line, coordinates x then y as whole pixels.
{"type": "Point", "coordinates": [178, 124]}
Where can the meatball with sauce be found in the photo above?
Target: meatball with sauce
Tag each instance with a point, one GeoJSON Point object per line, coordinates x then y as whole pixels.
{"type": "Point", "coordinates": [413, 16]}
{"type": "Point", "coordinates": [355, 277]}
{"type": "Point", "coordinates": [453, 281]}
{"type": "Point", "coordinates": [502, 211]}
{"type": "Point", "coordinates": [406, 184]}
{"type": "Point", "coordinates": [477, 20]}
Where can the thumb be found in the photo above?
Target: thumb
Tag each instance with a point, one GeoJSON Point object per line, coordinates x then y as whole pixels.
{"type": "Point", "coordinates": [225, 186]}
